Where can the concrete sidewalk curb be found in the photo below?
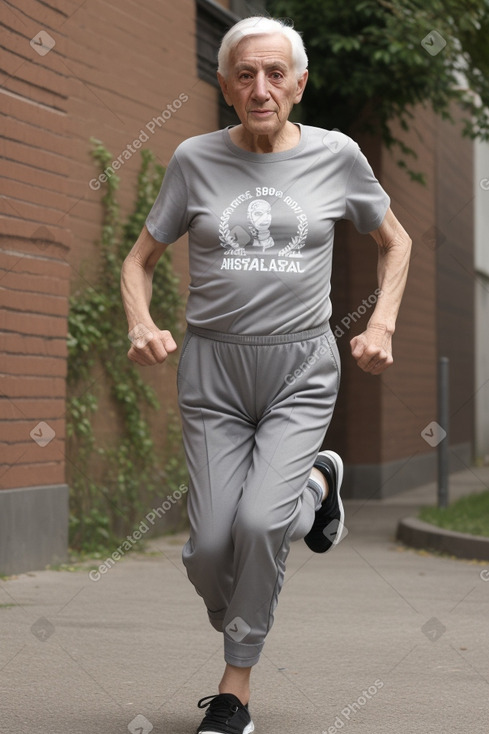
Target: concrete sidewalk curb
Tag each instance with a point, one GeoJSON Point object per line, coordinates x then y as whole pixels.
{"type": "Point", "coordinates": [418, 534]}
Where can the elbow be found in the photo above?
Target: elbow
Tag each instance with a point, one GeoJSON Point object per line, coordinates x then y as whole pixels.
{"type": "Point", "coordinates": [408, 245]}
{"type": "Point", "coordinates": [402, 243]}
{"type": "Point", "coordinates": [133, 261]}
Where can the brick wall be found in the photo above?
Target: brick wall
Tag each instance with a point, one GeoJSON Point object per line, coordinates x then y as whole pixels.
{"type": "Point", "coordinates": [35, 243]}
{"type": "Point", "coordinates": [379, 422]}
{"type": "Point", "coordinates": [114, 66]}
{"type": "Point", "coordinates": [71, 70]}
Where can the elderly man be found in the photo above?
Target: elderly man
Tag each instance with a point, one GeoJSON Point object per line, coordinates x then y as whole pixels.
{"type": "Point", "coordinates": [259, 368]}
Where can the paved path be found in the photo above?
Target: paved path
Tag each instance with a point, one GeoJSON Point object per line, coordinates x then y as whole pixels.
{"type": "Point", "coordinates": [371, 638]}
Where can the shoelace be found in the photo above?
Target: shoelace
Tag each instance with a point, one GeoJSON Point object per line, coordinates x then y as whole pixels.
{"type": "Point", "coordinates": [219, 709]}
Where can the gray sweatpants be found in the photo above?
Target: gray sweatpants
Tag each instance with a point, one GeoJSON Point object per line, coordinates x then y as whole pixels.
{"type": "Point", "coordinates": [254, 414]}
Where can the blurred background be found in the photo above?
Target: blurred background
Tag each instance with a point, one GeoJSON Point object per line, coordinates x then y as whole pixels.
{"type": "Point", "coordinates": [95, 97]}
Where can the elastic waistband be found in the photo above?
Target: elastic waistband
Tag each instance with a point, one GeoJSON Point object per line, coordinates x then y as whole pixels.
{"type": "Point", "coordinates": [260, 339]}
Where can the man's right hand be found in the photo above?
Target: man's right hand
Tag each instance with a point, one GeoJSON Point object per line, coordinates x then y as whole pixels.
{"type": "Point", "coordinates": [150, 345]}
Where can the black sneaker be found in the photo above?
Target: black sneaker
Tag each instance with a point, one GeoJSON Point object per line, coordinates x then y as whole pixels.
{"type": "Point", "coordinates": [329, 521]}
{"type": "Point", "coordinates": [225, 715]}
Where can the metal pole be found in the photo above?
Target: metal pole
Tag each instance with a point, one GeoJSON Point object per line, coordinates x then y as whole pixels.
{"type": "Point", "coordinates": [443, 418]}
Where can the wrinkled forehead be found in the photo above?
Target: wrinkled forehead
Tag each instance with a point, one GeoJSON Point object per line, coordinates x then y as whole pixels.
{"type": "Point", "coordinates": [264, 48]}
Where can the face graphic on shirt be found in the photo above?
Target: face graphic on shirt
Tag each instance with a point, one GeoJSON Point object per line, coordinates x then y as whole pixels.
{"type": "Point", "coordinates": [260, 219]}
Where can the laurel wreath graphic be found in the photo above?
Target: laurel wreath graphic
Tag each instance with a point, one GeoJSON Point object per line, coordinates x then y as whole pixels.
{"type": "Point", "coordinates": [297, 242]}
{"type": "Point", "coordinates": [226, 238]}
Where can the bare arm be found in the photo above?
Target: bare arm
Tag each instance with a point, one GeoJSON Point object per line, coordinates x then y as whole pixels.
{"type": "Point", "coordinates": [150, 345]}
{"type": "Point", "coordinates": [372, 349]}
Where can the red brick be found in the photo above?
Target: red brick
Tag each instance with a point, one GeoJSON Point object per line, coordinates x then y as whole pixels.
{"type": "Point", "coordinates": [23, 364]}
{"type": "Point", "coordinates": [18, 432]}
{"type": "Point", "coordinates": [38, 158]}
{"type": "Point", "coordinates": [38, 214]}
{"type": "Point", "coordinates": [36, 408]}
{"type": "Point", "coordinates": [35, 13]}
{"type": "Point", "coordinates": [16, 282]}
{"type": "Point", "coordinates": [46, 181]}
{"type": "Point", "coordinates": [16, 300]}
{"type": "Point", "coordinates": [34, 324]}
{"type": "Point", "coordinates": [38, 264]}
{"type": "Point", "coordinates": [21, 191]}
{"type": "Point", "coordinates": [38, 346]}
{"type": "Point", "coordinates": [33, 92]}
{"type": "Point", "coordinates": [53, 452]}
{"type": "Point", "coordinates": [31, 475]}
{"type": "Point", "coordinates": [28, 387]}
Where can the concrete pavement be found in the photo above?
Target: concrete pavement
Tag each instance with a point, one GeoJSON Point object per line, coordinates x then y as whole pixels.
{"type": "Point", "coordinates": [370, 638]}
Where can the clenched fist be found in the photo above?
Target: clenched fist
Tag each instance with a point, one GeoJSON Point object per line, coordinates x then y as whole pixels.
{"type": "Point", "coordinates": [372, 349]}
{"type": "Point", "coordinates": [150, 345]}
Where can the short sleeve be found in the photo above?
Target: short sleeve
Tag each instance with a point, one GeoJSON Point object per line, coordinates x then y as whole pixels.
{"type": "Point", "coordinates": [366, 200]}
{"type": "Point", "coordinates": [168, 219]}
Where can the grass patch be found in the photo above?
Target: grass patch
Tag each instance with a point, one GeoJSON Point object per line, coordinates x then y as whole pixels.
{"type": "Point", "coordinates": [466, 515]}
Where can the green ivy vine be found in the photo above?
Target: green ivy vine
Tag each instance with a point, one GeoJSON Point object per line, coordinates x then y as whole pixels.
{"type": "Point", "coordinates": [112, 482]}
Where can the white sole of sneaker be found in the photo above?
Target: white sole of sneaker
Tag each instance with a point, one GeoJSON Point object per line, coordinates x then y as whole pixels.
{"type": "Point", "coordinates": [338, 462]}
{"type": "Point", "coordinates": [247, 730]}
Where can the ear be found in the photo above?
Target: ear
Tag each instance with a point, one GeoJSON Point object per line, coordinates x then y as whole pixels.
{"type": "Point", "coordinates": [224, 88]}
{"type": "Point", "coordinates": [301, 85]}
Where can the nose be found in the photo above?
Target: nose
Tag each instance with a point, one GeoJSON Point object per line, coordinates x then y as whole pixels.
{"type": "Point", "coordinates": [260, 87]}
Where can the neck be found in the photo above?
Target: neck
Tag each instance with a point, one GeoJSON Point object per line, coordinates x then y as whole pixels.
{"type": "Point", "coordinates": [264, 235]}
{"type": "Point", "coordinates": [288, 137]}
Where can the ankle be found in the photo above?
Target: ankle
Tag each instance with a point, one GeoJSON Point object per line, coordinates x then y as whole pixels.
{"type": "Point", "coordinates": [236, 681]}
{"type": "Point", "coordinates": [320, 479]}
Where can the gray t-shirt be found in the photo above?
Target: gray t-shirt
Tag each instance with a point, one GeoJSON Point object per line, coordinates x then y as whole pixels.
{"type": "Point", "coordinates": [261, 226]}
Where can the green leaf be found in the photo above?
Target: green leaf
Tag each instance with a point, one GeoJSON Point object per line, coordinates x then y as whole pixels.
{"type": "Point", "coordinates": [112, 477]}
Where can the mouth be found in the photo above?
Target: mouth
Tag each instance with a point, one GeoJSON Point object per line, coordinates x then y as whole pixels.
{"type": "Point", "coordinates": [262, 113]}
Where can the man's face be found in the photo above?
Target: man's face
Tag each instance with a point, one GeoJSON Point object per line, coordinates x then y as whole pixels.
{"type": "Point", "coordinates": [262, 83]}
{"type": "Point", "coordinates": [260, 215]}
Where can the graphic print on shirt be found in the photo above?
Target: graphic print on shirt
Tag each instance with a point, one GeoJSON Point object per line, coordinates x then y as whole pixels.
{"type": "Point", "coordinates": [253, 246]}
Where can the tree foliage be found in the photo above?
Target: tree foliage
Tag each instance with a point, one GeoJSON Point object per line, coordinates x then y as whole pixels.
{"type": "Point", "coordinates": [368, 66]}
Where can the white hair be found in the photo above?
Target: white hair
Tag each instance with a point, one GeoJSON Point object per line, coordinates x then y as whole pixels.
{"type": "Point", "coordinates": [257, 26]}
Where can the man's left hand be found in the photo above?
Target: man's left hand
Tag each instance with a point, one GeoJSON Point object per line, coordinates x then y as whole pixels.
{"type": "Point", "coordinates": [372, 349]}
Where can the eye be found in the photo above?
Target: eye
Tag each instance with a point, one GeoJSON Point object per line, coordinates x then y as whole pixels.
{"type": "Point", "coordinates": [276, 75]}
